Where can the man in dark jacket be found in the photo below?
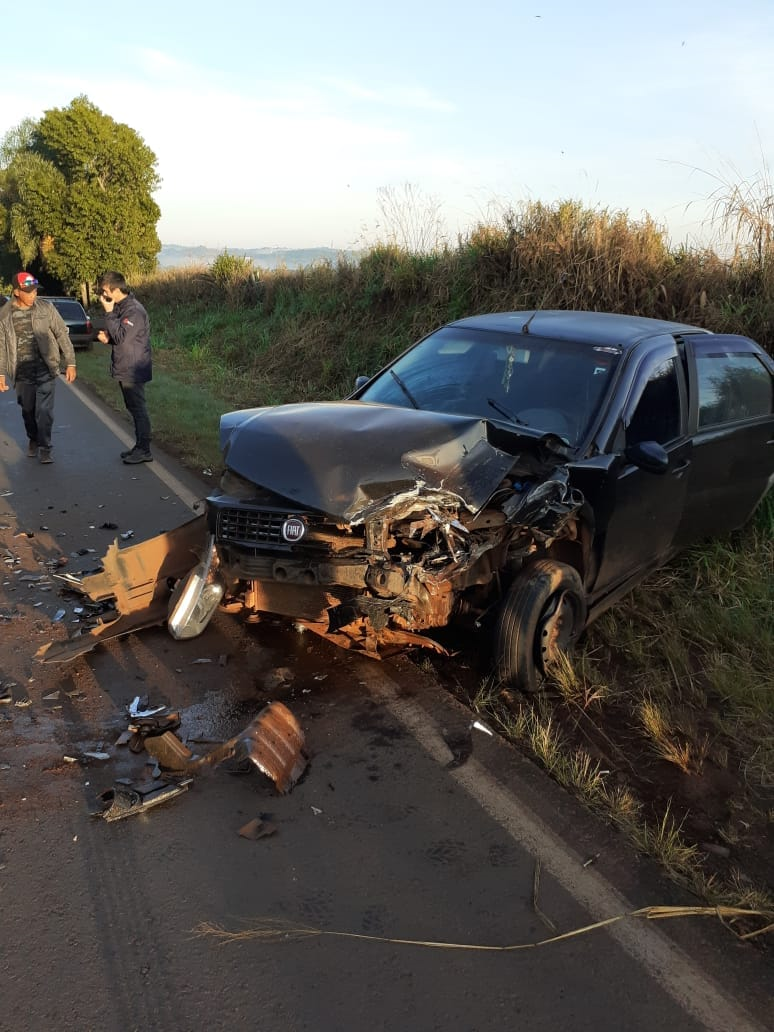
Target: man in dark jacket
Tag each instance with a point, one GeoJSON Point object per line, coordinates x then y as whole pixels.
{"type": "Point", "coordinates": [33, 339]}
{"type": "Point", "coordinates": [127, 331]}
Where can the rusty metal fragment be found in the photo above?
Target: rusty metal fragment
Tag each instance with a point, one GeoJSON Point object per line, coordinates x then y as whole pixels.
{"type": "Point", "coordinates": [273, 741]}
{"type": "Point", "coordinates": [256, 829]}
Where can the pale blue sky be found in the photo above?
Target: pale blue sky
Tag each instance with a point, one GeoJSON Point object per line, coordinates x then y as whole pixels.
{"type": "Point", "coordinates": [276, 124]}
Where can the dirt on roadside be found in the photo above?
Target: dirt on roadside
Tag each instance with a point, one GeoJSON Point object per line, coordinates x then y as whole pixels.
{"type": "Point", "coordinates": [722, 814]}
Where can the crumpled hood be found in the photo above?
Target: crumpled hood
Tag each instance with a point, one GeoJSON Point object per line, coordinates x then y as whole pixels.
{"type": "Point", "coordinates": [342, 457]}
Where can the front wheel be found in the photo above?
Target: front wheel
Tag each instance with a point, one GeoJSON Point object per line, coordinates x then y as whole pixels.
{"type": "Point", "coordinates": [542, 615]}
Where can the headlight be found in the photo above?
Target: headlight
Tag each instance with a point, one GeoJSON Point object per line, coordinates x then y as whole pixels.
{"type": "Point", "coordinates": [195, 599]}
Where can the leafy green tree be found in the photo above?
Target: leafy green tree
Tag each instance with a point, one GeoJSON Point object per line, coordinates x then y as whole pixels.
{"type": "Point", "coordinates": [76, 196]}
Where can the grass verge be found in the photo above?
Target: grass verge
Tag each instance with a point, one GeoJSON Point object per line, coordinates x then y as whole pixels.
{"type": "Point", "coordinates": [664, 720]}
{"type": "Point", "coordinates": [184, 409]}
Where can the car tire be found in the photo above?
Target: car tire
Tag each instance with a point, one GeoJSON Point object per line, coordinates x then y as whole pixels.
{"type": "Point", "coordinates": [543, 613]}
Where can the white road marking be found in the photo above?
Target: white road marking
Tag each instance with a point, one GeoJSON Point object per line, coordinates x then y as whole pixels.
{"type": "Point", "coordinates": [666, 963]}
{"type": "Point", "coordinates": [183, 493]}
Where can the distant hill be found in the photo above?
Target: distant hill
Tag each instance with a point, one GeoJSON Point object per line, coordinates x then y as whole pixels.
{"type": "Point", "coordinates": [176, 255]}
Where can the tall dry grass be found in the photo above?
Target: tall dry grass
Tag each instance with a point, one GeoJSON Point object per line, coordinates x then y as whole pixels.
{"type": "Point", "coordinates": [282, 335]}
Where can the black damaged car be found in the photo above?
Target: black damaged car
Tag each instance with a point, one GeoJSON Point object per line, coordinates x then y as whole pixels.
{"type": "Point", "coordinates": [518, 472]}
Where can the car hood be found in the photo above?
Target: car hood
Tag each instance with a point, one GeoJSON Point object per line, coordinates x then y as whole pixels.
{"type": "Point", "coordinates": [349, 459]}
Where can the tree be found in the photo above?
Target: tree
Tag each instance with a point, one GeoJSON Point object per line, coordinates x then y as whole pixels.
{"type": "Point", "coordinates": [76, 196]}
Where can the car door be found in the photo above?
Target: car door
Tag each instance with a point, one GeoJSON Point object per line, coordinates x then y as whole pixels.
{"type": "Point", "coordinates": [637, 511]}
{"type": "Point", "coordinates": [731, 385]}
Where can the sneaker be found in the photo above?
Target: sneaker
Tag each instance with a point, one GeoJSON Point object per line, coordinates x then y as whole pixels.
{"type": "Point", "coordinates": [44, 454]}
{"type": "Point", "coordinates": [32, 449]}
{"type": "Point", "coordinates": [137, 455]}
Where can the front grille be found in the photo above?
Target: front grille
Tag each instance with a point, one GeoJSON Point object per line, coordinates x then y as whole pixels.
{"type": "Point", "coordinates": [248, 563]}
{"type": "Point", "coordinates": [250, 526]}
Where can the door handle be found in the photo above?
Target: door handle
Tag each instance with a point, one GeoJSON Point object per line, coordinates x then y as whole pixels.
{"type": "Point", "coordinates": [681, 468]}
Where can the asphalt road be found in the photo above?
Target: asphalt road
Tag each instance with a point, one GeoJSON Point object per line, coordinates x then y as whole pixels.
{"type": "Point", "coordinates": [408, 827]}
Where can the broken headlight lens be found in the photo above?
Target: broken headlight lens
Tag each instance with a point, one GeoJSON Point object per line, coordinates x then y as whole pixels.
{"type": "Point", "coordinates": [195, 599]}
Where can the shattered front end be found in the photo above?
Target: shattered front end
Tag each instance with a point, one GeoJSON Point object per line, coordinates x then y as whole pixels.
{"type": "Point", "coordinates": [416, 561]}
{"type": "Point", "coordinates": [372, 525]}
{"type": "Point", "coordinates": [366, 524]}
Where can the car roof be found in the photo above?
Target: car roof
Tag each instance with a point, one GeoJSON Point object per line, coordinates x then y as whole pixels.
{"type": "Point", "coordinates": [604, 328]}
{"type": "Point", "coordinates": [54, 300]}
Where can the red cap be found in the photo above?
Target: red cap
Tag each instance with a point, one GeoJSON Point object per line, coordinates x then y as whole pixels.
{"type": "Point", "coordinates": [25, 281]}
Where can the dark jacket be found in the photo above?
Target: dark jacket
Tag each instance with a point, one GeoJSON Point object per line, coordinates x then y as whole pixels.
{"type": "Point", "coordinates": [128, 328]}
{"type": "Point", "coordinates": [50, 333]}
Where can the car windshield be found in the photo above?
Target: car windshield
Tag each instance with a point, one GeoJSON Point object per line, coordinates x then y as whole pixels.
{"type": "Point", "coordinates": [534, 382]}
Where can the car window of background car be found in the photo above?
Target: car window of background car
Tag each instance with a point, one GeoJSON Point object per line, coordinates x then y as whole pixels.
{"type": "Point", "coordinates": [657, 415]}
{"type": "Point", "coordinates": [75, 318]}
{"type": "Point", "coordinates": [732, 388]}
{"type": "Point", "coordinates": [69, 309]}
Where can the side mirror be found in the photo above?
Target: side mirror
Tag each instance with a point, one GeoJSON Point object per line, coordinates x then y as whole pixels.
{"type": "Point", "coordinates": [361, 381]}
{"type": "Point", "coordinates": [648, 455]}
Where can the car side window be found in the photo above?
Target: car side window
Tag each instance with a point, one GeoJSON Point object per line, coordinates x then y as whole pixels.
{"type": "Point", "coordinates": [732, 388]}
{"type": "Point", "coordinates": [657, 415]}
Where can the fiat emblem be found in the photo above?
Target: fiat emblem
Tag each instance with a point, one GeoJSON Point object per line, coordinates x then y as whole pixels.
{"type": "Point", "coordinates": [293, 529]}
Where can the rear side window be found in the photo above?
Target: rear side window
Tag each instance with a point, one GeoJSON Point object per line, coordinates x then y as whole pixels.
{"type": "Point", "coordinates": [732, 388]}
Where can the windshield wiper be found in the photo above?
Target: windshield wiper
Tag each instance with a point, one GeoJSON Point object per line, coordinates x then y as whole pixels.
{"type": "Point", "coordinates": [505, 412]}
{"type": "Point", "coordinates": [404, 388]}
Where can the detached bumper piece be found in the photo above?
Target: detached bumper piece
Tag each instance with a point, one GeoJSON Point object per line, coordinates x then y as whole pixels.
{"type": "Point", "coordinates": [273, 742]}
{"type": "Point", "coordinates": [133, 586]}
{"type": "Point", "coordinates": [126, 800]}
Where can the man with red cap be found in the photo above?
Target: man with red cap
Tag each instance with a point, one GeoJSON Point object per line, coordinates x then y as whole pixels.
{"type": "Point", "coordinates": [33, 339]}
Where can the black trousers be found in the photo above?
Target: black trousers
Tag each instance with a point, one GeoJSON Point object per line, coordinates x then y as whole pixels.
{"type": "Point", "coordinates": [37, 405]}
{"type": "Point", "coordinates": [134, 399]}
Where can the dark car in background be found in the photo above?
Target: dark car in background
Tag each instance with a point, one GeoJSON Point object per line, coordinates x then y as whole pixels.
{"type": "Point", "coordinates": [517, 472]}
{"type": "Point", "coordinates": [75, 319]}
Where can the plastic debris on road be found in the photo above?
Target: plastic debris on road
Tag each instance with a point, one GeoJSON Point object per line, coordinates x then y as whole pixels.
{"type": "Point", "coordinates": [139, 708]}
{"type": "Point", "coordinates": [256, 829]}
{"type": "Point", "coordinates": [126, 800]}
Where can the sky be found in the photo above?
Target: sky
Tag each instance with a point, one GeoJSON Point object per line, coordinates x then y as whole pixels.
{"type": "Point", "coordinates": [287, 124]}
